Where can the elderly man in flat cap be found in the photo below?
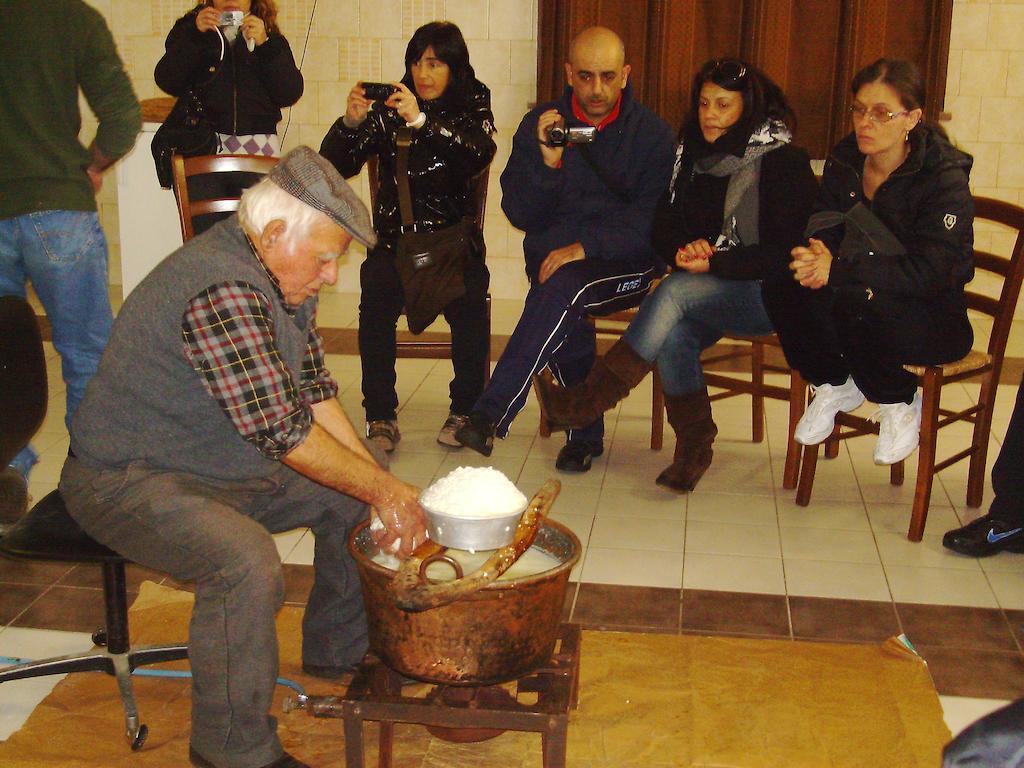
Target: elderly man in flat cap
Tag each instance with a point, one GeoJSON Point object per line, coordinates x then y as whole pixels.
{"type": "Point", "coordinates": [212, 424]}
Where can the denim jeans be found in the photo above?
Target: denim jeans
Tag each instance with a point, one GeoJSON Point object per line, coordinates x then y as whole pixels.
{"type": "Point", "coordinates": [64, 254]}
{"type": "Point", "coordinates": [688, 313]}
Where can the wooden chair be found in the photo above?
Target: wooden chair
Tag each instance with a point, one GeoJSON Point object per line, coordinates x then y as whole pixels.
{"type": "Point", "coordinates": [435, 347]}
{"type": "Point", "coordinates": [755, 348]}
{"type": "Point", "coordinates": [185, 167]}
{"type": "Point", "coordinates": [983, 365]}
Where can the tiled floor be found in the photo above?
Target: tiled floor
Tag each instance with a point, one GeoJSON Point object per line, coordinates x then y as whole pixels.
{"type": "Point", "coordinates": [735, 557]}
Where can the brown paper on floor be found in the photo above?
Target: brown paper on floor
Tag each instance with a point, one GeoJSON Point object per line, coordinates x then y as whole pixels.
{"type": "Point", "coordinates": [645, 700]}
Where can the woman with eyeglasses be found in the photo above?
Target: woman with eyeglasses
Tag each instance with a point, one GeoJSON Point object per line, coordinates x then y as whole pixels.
{"type": "Point", "coordinates": [880, 282]}
{"type": "Point", "coordinates": [737, 204]}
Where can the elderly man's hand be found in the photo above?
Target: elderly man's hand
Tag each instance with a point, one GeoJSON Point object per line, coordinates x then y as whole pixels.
{"type": "Point", "coordinates": [558, 257]}
{"type": "Point", "coordinates": [403, 518]}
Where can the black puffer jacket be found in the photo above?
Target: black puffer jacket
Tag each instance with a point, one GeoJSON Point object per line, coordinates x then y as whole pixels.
{"type": "Point", "coordinates": [927, 205]}
{"type": "Point", "coordinates": [785, 198]}
{"type": "Point", "coordinates": [452, 147]}
{"type": "Point", "coordinates": [243, 94]}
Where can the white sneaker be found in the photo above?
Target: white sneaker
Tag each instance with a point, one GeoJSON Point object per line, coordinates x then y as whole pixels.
{"type": "Point", "coordinates": [820, 417]}
{"type": "Point", "coordinates": [899, 429]}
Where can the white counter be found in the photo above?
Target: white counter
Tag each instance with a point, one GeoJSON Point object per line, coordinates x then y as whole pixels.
{"type": "Point", "coordinates": [148, 215]}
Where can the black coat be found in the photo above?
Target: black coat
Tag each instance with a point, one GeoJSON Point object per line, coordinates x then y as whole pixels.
{"type": "Point", "coordinates": [452, 148]}
{"type": "Point", "coordinates": [926, 203]}
{"type": "Point", "coordinates": [243, 94]}
{"type": "Point", "coordinates": [786, 196]}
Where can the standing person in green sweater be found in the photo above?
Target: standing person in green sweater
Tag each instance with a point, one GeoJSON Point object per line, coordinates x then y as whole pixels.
{"type": "Point", "coordinates": [49, 228]}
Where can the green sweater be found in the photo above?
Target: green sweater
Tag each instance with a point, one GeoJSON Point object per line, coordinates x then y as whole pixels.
{"type": "Point", "coordinates": [48, 50]}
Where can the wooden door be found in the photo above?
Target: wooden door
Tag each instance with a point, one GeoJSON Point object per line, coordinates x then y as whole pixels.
{"type": "Point", "coordinates": [811, 48]}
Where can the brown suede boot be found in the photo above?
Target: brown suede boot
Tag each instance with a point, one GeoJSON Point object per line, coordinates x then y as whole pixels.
{"type": "Point", "coordinates": [610, 379]}
{"type": "Point", "coordinates": [690, 418]}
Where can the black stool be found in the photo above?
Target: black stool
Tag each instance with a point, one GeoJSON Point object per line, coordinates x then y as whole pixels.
{"type": "Point", "coordinates": [48, 532]}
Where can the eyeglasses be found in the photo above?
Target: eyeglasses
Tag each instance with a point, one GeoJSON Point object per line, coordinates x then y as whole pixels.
{"type": "Point", "coordinates": [725, 72]}
{"type": "Point", "coordinates": [875, 114]}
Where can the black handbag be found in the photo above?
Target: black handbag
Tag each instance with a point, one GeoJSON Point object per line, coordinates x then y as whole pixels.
{"type": "Point", "coordinates": [430, 264]}
{"type": "Point", "coordinates": [187, 132]}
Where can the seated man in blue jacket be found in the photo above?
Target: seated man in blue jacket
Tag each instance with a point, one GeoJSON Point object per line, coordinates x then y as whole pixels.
{"type": "Point", "coordinates": [587, 210]}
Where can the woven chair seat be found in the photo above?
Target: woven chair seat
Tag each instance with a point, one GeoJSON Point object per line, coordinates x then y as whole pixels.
{"type": "Point", "coordinates": [972, 361]}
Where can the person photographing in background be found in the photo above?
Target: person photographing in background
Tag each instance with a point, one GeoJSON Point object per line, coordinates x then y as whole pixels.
{"type": "Point", "coordinates": [446, 112]}
{"type": "Point", "coordinates": [232, 56]}
{"type": "Point", "coordinates": [586, 210]}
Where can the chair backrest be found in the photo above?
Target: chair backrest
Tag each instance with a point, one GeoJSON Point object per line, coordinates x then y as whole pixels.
{"type": "Point", "coordinates": [479, 188]}
{"type": "Point", "coordinates": [184, 167]}
{"type": "Point", "coordinates": [1010, 271]}
{"type": "Point", "coordinates": [23, 391]}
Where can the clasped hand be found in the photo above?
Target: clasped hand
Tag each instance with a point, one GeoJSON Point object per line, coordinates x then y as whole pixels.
{"type": "Point", "coordinates": [695, 257]}
{"type": "Point", "coordinates": [811, 264]}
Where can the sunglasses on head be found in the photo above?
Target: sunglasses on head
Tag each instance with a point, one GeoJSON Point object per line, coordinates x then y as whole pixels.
{"type": "Point", "coordinates": [727, 72]}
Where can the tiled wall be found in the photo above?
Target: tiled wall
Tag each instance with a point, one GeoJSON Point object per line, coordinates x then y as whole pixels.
{"type": "Point", "coordinates": [341, 41]}
{"type": "Point", "coordinates": [985, 96]}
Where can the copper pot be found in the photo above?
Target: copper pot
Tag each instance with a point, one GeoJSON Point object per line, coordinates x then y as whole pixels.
{"type": "Point", "coordinates": [499, 633]}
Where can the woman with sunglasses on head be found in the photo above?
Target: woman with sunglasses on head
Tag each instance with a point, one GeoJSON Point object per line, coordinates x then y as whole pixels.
{"type": "Point", "coordinates": [880, 282]}
{"type": "Point", "coordinates": [232, 54]}
{"type": "Point", "coordinates": [738, 201]}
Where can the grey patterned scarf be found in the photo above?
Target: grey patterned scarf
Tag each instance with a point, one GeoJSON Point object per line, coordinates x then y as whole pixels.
{"type": "Point", "coordinates": [740, 216]}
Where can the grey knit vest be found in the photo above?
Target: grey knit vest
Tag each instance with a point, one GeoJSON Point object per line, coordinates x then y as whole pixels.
{"type": "Point", "coordinates": [146, 403]}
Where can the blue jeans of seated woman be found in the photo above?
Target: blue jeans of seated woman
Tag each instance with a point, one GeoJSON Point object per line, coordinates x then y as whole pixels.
{"type": "Point", "coordinates": [64, 254]}
{"type": "Point", "coordinates": [688, 313]}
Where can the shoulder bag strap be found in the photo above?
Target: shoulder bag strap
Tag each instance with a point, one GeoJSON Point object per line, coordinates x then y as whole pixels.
{"type": "Point", "coordinates": [614, 188]}
{"type": "Point", "coordinates": [404, 139]}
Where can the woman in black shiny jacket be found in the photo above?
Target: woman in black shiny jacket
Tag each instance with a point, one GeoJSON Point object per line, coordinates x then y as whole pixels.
{"type": "Point", "coordinates": [243, 75]}
{"type": "Point", "coordinates": [449, 112]}
{"type": "Point", "coordinates": [881, 281]}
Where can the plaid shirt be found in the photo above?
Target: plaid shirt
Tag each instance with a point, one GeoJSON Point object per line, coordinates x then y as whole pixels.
{"type": "Point", "coordinates": [228, 334]}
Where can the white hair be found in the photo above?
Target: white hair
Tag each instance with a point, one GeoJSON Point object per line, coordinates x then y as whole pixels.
{"type": "Point", "coordinates": [265, 201]}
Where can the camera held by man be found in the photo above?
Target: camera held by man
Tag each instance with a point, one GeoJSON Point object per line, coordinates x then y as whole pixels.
{"type": "Point", "coordinates": [560, 135]}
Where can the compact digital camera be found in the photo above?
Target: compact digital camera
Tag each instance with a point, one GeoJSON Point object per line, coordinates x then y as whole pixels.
{"type": "Point", "coordinates": [378, 91]}
{"type": "Point", "coordinates": [231, 18]}
{"type": "Point", "coordinates": [560, 135]}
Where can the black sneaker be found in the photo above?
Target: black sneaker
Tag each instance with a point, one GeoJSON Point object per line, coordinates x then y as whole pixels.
{"type": "Point", "coordinates": [577, 456]}
{"type": "Point", "coordinates": [477, 433]}
{"type": "Point", "coordinates": [985, 536]}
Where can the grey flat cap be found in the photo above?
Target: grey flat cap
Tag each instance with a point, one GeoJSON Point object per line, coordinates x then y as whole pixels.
{"type": "Point", "coordinates": [308, 176]}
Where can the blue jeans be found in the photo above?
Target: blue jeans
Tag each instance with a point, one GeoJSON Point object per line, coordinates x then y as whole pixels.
{"type": "Point", "coordinates": [688, 313]}
{"type": "Point", "coordinates": [64, 254]}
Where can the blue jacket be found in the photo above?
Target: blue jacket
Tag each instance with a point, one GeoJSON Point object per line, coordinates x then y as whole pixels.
{"type": "Point", "coordinates": [560, 206]}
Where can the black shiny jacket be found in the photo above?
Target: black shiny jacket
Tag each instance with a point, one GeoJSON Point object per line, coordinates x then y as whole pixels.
{"type": "Point", "coordinates": [453, 147]}
{"type": "Point", "coordinates": [926, 203]}
{"type": "Point", "coordinates": [243, 94]}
